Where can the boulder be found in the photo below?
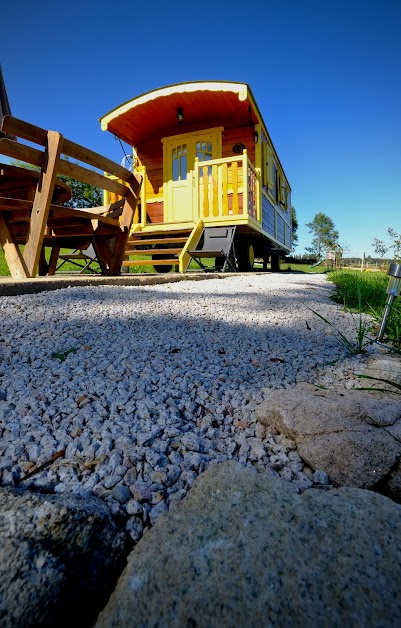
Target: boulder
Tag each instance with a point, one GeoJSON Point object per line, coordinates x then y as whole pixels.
{"type": "Point", "coordinates": [350, 434]}
{"type": "Point", "coordinates": [60, 557]}
{"type": "Point", "coordinates": [382, 367]}
{"type": "Point", "coordinates": [244, 549]}
{"type": "Point", "coordinates": [391, 486]}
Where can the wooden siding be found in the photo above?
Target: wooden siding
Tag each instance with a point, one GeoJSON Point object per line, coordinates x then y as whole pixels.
{"type": "Point", "coordinates": [151, 156]}
{"type": "Point", "coordinates": [288, 235]}
{"type": "Point", "coordinates": [155, 212]}
{"type": "Point", "coordinates": [280, 224]}
{"type": "Point", "coordinates": [243, 135]}
{"type": "Point", "coordinates": [268, 216]}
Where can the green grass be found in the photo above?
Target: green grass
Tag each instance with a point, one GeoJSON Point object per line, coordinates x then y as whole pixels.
{"type": "Point", "coordinates": [4, 272]}
{"type": "Point", "coordinates": [372, 290]}
{"type": "Point", "coordinates": [70, 268]}
{"type": "Point", "coordinates": [302, 268]}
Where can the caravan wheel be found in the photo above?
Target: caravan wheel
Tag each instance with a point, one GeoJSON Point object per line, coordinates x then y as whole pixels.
{"type": "Point", "coordinates": [245, 255]}
{"type": "Point", "coordinates": [162, 268]}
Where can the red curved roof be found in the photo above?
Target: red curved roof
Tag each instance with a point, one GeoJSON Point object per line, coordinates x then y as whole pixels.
{"type": "Point", "coordinates": [206, 104]}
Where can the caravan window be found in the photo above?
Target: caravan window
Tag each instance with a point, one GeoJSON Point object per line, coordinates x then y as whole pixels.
{"type": "Point", "coordinates": [179, 162]}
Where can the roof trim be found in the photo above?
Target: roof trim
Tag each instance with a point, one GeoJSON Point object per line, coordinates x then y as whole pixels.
{"type": "Point", "coordinates": [241, 89]}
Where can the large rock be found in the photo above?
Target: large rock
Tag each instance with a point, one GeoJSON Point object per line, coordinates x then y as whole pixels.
{"type": "Point", "coordinates": [383, 367]}
{"type": "Point", "coordinates": [60, 557]}
{"type": "Point", "coordinates": [352, 435]}
{"type": "Point", "coordinates": [244, 549]}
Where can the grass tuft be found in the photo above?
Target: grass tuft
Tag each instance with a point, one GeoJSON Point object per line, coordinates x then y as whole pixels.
{"type": "Point", "coordinates": [366, 292]}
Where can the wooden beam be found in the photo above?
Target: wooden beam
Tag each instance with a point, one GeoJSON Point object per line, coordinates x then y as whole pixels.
{"type": "Point", "coordinates": [80, 231]}
{"type": "Point", "coordinates": [107, 209]}
{"type": "Point", "coordinates": [75, 171]}
{"type": "Point", "coordinates": [70, 212]}
{"type": "Point", "coordinates": [98, 161]}
{"type": "Point", "coordinates": [42, 201]}
{"type": "Point", "coordinates": [53, 260]}
{"type": "Point", "coordinates": [43, 265]}
{"type": "Point", "coordinates": [69, 242]}
{"type": "Point", "coordinates": [126, 220]}
{"type": "Point", "coordinates": [19, 151]}
{"type": "Point", "coordinates": [15, 206]}
{"type": "Point", "coordinates": [103, 254]}
{"type": "Point", "coordinates": [35, 134]}
{"type": "Point", "coordinates": [25, 130]}
{"type": "Point", "coordinates": [12, 254]}
{"type": "Point", "coordinates": [118, 252]}
{"type": "Point", "coordinates": [33, 156]}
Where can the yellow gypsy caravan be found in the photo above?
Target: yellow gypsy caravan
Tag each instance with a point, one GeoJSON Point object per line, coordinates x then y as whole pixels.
{"type": "Point", "coordinates": [207, 161]}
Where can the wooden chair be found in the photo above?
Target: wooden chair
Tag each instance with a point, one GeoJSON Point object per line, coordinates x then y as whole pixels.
{"type": "Point", "coordinates": [35, 221]}
{"type": "Point", "coordinates": [217, 242]}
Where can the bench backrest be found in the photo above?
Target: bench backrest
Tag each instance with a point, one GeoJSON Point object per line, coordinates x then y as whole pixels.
{"type": "Point", "coordinates": [37, 135]}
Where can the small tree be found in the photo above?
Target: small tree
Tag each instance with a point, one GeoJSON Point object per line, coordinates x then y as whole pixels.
{"type": "Point", "coordinates": [325, 236]}
{"type": "Point", "coordinates": [396, 246]}
{"type": "Point", "coordinates": [380, 248]}
{"type": "Point", "coordinates": [83, 194]}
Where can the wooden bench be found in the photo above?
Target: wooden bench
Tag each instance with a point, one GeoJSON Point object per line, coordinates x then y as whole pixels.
{"type": "Point", "coordinates": [36, 221]}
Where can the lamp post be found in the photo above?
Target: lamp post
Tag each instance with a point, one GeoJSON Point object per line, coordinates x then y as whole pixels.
{"type": "Point", "coordinates": [393, 290]}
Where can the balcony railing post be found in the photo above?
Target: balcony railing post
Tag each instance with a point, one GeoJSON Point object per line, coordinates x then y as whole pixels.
{"type": "Point", "coordinates": [245, 182]}
{"type": "Point", "coordinates": [226, 187]}
{"type": "Point", "coordinates": [258, 196]}
{"type": "Point", "coordinates": [196, 196]}
{"type": "Point", "coordinates": [142, 171]}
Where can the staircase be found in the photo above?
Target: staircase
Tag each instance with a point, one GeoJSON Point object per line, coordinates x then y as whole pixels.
{"type": "Point", "coordinates": [161, 249]}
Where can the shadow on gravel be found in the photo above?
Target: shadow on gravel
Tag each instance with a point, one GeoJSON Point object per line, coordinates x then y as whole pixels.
{"type": "Point", "coordinates": [250, 338]}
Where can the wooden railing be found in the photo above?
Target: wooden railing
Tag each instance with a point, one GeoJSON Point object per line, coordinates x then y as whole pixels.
{"type": "Point", "coordinates": [142, 214]}
{"type": "Point", "coordinates": [225, 188]}
{"type": "Point", "coordinates": [140, 211]}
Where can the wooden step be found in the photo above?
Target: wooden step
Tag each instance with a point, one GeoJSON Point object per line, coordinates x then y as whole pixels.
{"type": "Point", "coordinates": [167, 233]}
{"type": "Point", "coordinates": [132, 241]}
{"type": "Point", "coordinates": [173, 241]}
{"type": "Point", "coordinates": [151, 262]}
{"type": "Point", "coordinates": [153, 251]}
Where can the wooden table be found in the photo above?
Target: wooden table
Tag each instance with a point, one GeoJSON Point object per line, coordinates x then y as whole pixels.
{"type": "Point", "coordinates": [21, 183]}
{"type": "Point", "coordinates": [34, 218]}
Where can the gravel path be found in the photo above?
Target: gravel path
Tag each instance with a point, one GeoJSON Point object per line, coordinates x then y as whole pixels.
{"type": "Point", "coordinates": [141, 388]}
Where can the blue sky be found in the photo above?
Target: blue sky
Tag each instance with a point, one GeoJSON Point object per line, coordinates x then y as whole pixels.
{"type": "Point", "coordinates": [325, 74]}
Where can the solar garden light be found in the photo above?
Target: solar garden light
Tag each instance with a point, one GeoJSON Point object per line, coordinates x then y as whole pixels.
{"type": "Point", "coordinates": [393, 290]}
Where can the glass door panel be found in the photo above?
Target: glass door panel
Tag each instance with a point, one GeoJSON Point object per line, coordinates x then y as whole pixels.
{"type": "Point", "coordinates": [179, 162]}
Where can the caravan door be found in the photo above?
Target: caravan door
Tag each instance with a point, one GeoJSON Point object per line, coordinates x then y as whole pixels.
{"type": "Point", "coordinates": [180, 152]}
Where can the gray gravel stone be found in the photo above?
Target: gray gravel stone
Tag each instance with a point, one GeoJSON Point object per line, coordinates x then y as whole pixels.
{"type": "Point", "coordinates": [165, 380]}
